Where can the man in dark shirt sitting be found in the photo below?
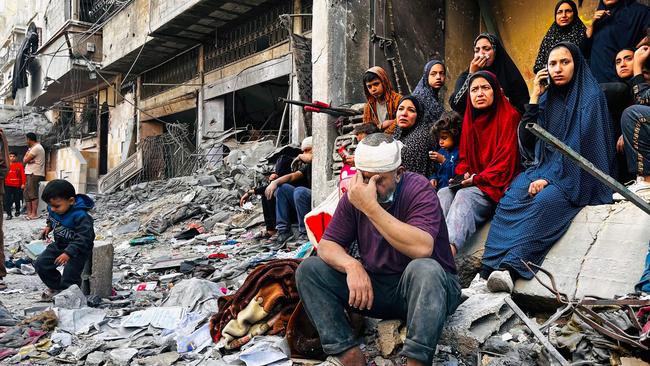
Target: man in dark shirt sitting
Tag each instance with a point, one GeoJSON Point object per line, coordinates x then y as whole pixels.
{"type": "Point", "coordinates": [406, 269]}
{"type": "Point", "coordinates": [292, 194]}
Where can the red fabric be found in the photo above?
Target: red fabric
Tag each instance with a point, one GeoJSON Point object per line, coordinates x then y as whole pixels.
{"type": "Point", "coordinates": [16, 175]}
{"type": "Point", "coordinates": [488, 143]}
{"type": "Point", "coordinates": [318, 223]}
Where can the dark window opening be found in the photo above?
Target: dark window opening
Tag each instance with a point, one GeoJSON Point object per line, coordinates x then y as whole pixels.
{"type": "Point", "coordinates": [257, 108]}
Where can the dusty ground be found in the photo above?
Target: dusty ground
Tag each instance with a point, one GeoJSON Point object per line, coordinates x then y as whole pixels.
{"type": "Point", "coordinates": [20, 230]}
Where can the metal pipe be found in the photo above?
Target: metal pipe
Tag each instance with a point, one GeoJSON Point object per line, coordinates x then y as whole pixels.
{"type": "Point", "coordinates": [536, 332]}
{"type": "Point", "coordinates": [586, 165]}
{"type": "Point", "coordinates": [284, 112]}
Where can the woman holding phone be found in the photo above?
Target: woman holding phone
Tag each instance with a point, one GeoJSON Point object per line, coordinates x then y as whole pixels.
{"type": "Point", "coordinates": [538, 207]}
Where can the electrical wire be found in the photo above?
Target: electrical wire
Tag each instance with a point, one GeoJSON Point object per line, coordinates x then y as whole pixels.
{"type": "Point", "coordinates": [94, 27]}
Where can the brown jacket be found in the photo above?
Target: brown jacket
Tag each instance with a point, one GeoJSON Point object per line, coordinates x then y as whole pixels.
{"type": "Point", "coordinates": [4, 160]}
{"type": "Point", "coordinates": [390, 95]}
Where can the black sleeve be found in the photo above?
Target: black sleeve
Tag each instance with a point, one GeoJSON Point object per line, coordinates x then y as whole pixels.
{"type": "Point", "coordinates": [585, 47]}
{"type": "Point", "coordinates": [527, 140]}
{"type": "Point", "coordinates": [641, 90]}
{"type": "Point", "coordinates": [260, 190]}
{"type": "Point", "coordinates": [458, 99]}
{"type": "Point", "coordinates": [84, 237]}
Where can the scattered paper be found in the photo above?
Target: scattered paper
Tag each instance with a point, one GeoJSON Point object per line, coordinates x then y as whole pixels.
{"type": "Point", "coordinates": [195, 342]}
{"type": "Point", "coordinates": [161, 317]}
{"type": "Point", "coordinates": [266, 350]}
{"type": "Point", "coordinates": [79, 321]}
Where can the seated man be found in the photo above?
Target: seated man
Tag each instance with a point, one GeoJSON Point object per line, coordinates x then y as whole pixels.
{"type": "Point", "coordinates": [635, 124]}
{"type": "Point", "coordinates": [406, 269]}
{"type": "Point", "coordinates": [382, 100]}
{"type": "Point", "coordinates": [292, 198]}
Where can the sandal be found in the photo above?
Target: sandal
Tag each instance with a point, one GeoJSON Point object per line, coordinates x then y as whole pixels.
{"type": "Point", "coordinates": [262, 234]}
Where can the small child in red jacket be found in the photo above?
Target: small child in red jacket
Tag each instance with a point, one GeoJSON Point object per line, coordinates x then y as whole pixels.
{"type": "Point", "coordinates": [14, 184]}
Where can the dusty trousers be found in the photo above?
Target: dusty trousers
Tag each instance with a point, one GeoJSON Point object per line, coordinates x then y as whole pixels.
{"type": "Point", "coordinates": [424, 295]}
{"type": "Point", "coordinates": [51, 277]}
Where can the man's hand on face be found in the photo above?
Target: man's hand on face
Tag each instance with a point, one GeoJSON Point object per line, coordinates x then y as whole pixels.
{"type": "Point", "coordinates": [360, 287]}
{"type": "Point", "coordinates": [363, 195]}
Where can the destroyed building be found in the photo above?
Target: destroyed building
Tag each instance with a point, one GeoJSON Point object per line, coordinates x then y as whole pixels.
{"type": "Point", "coordinates": [134, 97]}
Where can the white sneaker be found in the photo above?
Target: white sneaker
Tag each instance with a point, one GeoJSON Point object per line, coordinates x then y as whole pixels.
{"type": "Point", "coordinates": [638, 187]}
{"type": "Point", "coordinates": [477, 286]}
{"type": "Point", "coordinates": [500, 281]}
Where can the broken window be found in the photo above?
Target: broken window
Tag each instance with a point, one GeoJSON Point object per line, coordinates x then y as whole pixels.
{"type": "Point", "coordinates": [258, 32]}
{"type": "Point", "coordinates": [171, 74]}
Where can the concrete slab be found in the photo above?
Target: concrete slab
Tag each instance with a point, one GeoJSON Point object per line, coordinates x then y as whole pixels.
{"type": "Point", "coordinates": [475, 321]}
{"type": "Point", "coordinates": [602, 254]}
{"type": "Point", "coordinates": [616, 261]}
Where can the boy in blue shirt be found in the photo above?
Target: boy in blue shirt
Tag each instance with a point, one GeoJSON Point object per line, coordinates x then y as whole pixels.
{"type": "Point", "coordinates": [74, 236]}
{"type": "Point", "coordinates": [447, 131]}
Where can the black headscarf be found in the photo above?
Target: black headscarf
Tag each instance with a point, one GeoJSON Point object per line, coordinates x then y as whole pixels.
{"type": "Point", "coordinates": [428, 96]}
{"type": "Point", "coordinates": [573, 32]}
{"type": "Point", "coordinates": [624, 27]}
{"type": "Point", "coordinates": [513, 84]}
{"type": "Point", "coordinates": [417, 142]}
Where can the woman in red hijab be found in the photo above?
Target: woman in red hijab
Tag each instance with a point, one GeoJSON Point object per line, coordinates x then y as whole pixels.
{"type": "Point", "coordinates": [488, 159]}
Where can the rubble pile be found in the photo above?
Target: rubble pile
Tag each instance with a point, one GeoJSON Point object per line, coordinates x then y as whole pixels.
{"type": "Point", "coordinates": [180, 254]}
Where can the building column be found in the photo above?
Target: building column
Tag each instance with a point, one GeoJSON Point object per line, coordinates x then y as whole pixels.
{"type": "Point", "coordinates": [340, 37]}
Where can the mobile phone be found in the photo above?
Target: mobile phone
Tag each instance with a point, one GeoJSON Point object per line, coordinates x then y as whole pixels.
{"type": "Point", "coordinates": [547, 80]}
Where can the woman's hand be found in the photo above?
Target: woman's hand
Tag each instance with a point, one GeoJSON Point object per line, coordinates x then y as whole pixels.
{"type": "Point", "coordinates": [477, 64]}
{"type": "Point", "coordinates": [540, 83]}
{"type": "Point", "coordinates": [598, 15]}
{"type": "Point", "coordinates": [537, 186]}
{"type": "Point", "coordinates": [468, 180]}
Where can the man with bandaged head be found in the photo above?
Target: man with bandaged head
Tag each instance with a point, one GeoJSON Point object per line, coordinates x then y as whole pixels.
{"type": "Point", "coordinates": [406, 269]}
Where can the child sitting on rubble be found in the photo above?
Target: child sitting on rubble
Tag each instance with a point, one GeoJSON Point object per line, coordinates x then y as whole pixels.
{"type": "Point", "coordinates": [74, 235]}
{"type": "Point", "coordinates": [447, 131]}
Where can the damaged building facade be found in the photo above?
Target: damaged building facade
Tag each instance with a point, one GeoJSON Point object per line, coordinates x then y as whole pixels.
{"type": "Point", "coordinates": [160, 78]}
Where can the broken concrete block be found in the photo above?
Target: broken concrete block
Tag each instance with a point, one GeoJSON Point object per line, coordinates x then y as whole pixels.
{"type": "Point", "coordinates": [70, 298]}
{"type": "Point", "coordinates": [388, 336]}
{"type": "Point", "coordinates": [475, 321]}
{"type": "Point", "coordinates": [588, 259]}
{"type": "Point", "coordinates": [101, 279]}
{"type": "Point", "coordinates": [616, 260]}
{"type": "Point", "coordinates": [122, 356]}
{"type": "Point", "coordinates": [163, 359]}
{"type": "Point", "coordinates": [208, 181]}
{"type": "Point", "coordinates": [96, 358]}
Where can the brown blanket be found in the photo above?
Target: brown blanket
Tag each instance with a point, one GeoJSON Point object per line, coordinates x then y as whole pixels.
{"type": "Point", "coordinates": [273, 286]}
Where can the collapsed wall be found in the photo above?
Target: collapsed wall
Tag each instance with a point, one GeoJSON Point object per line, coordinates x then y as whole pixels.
{"type": "Point", "coordinates": [16, 121]}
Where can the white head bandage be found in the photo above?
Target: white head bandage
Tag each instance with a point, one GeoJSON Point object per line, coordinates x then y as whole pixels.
{"type": "Point", "coordinates": [378, 159]}
{"type": "Point", "coordinates": [306, 143]}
